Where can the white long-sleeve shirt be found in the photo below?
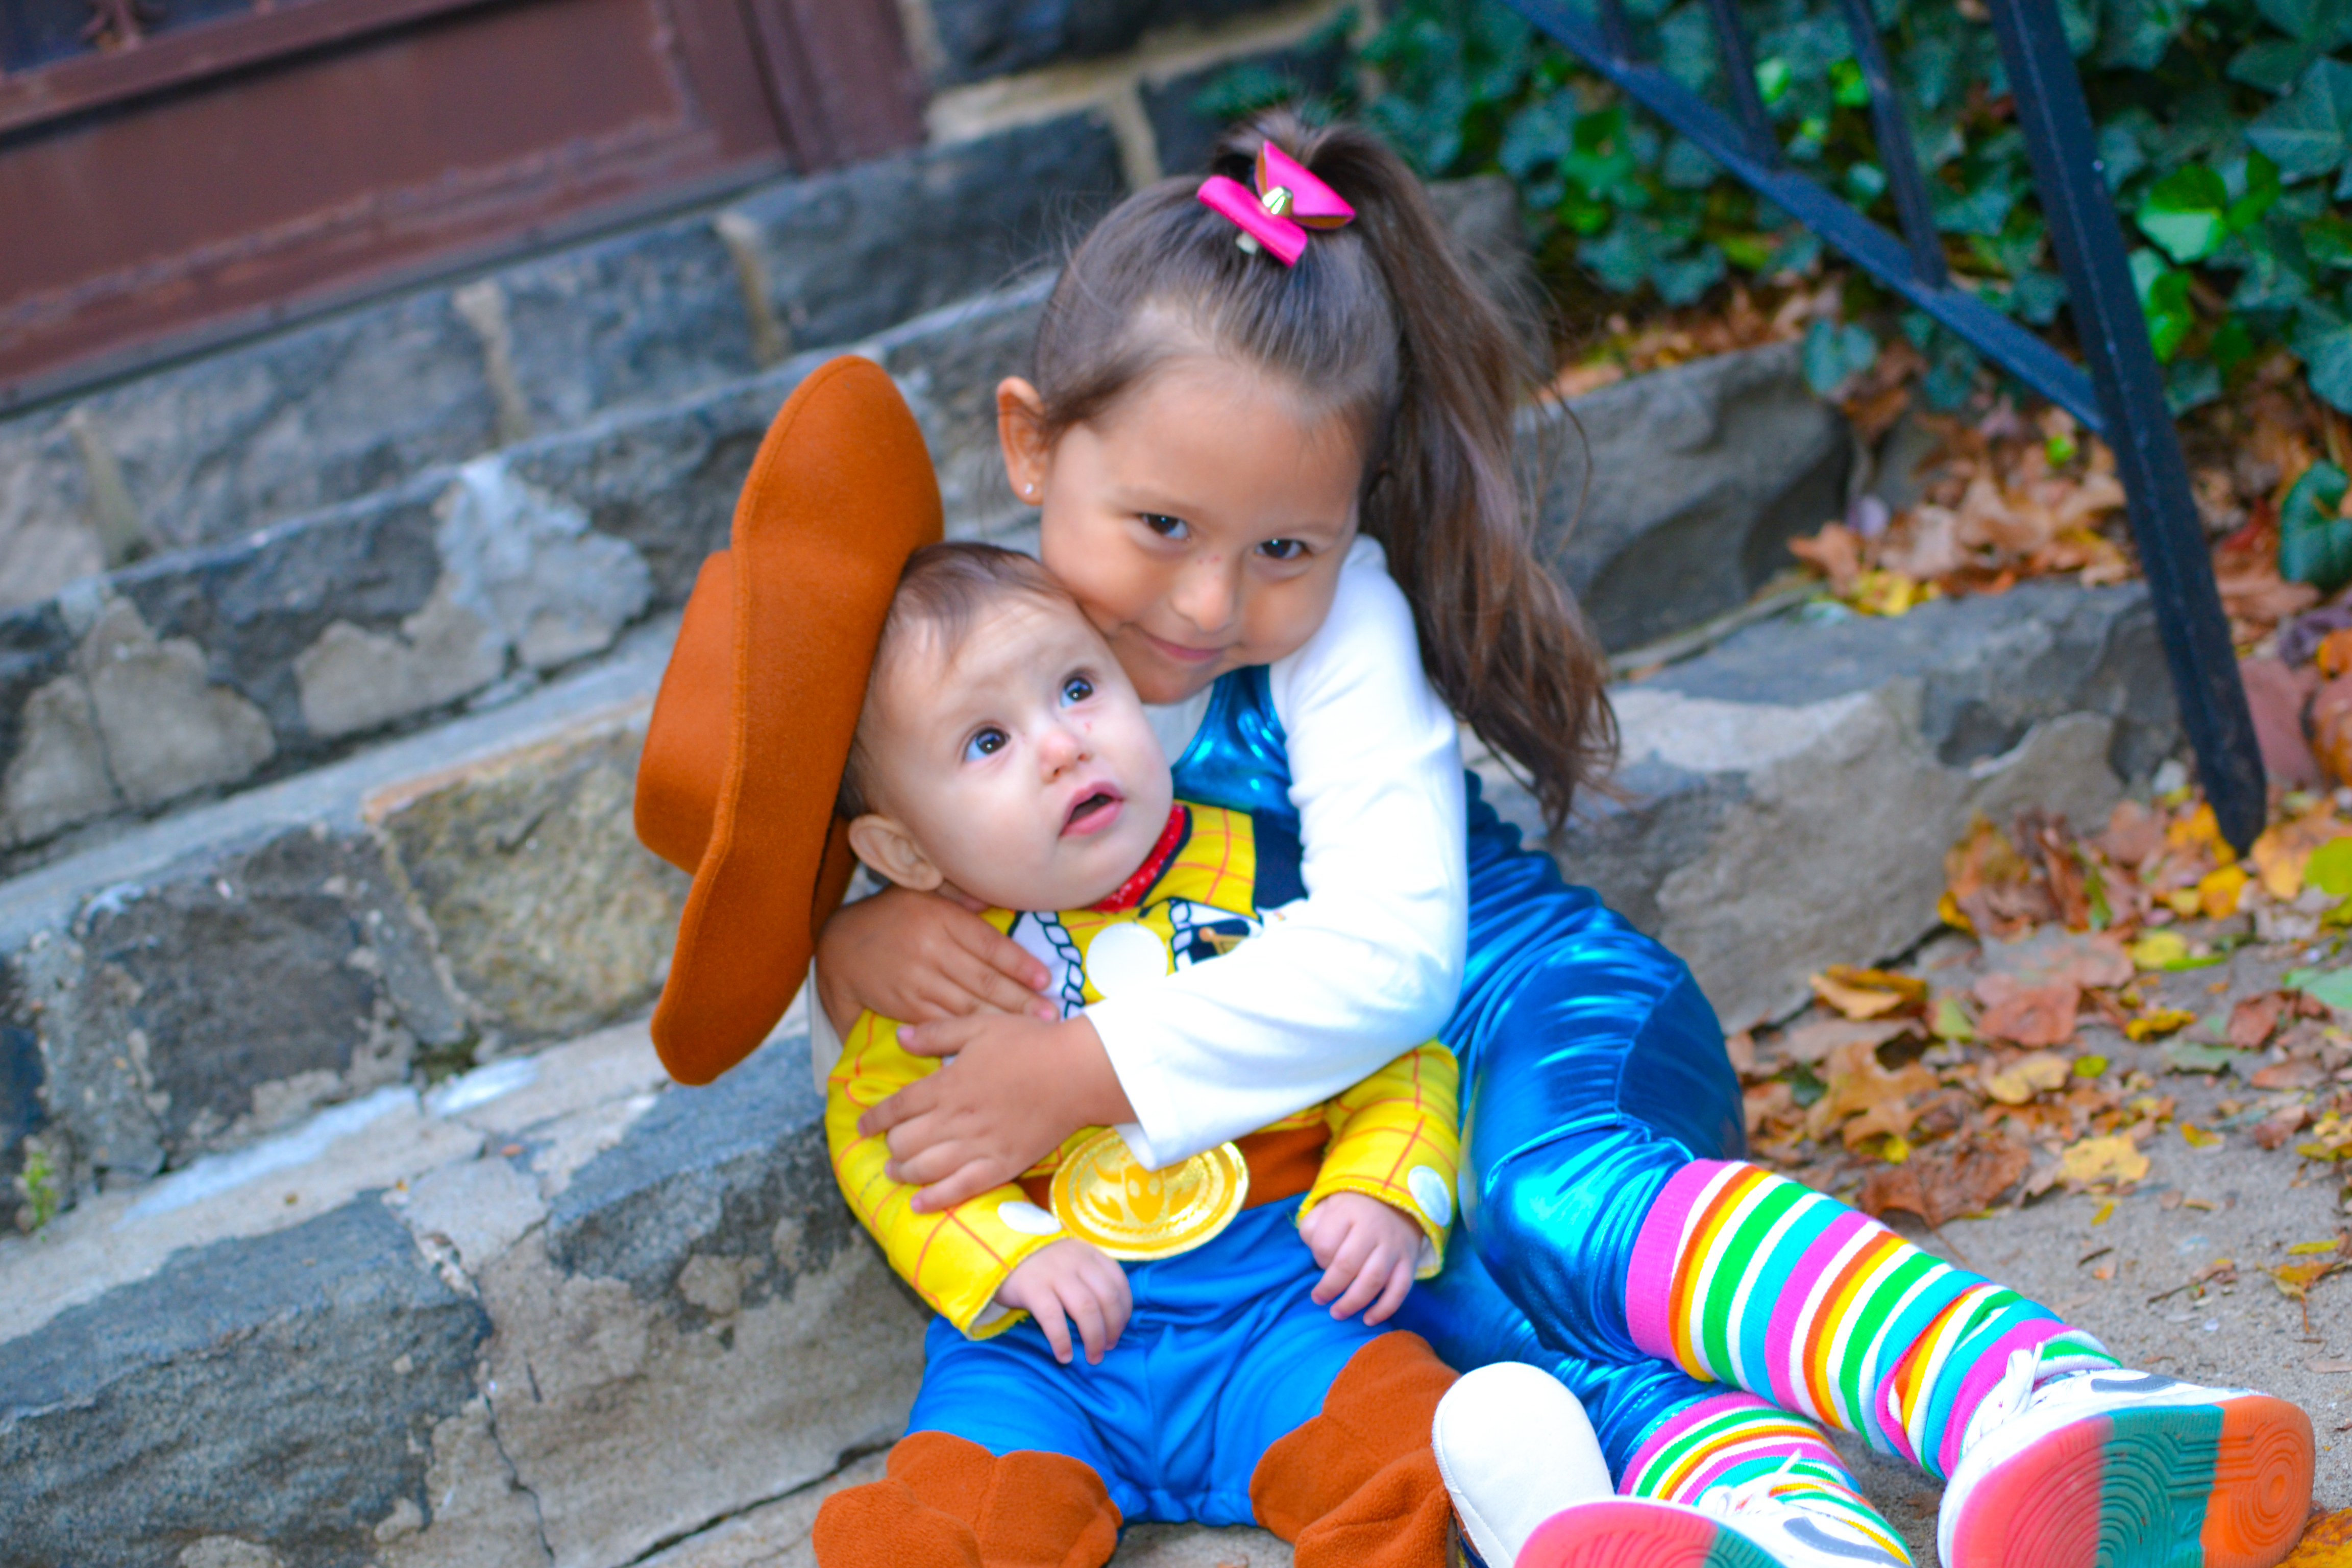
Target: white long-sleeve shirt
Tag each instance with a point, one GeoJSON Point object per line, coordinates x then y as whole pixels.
{"type": "Point", "coordinates": [1370, 962]}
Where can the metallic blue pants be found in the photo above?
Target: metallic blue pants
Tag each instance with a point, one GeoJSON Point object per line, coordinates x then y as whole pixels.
{"type": "Point", "coordinates": [1595, 1070]}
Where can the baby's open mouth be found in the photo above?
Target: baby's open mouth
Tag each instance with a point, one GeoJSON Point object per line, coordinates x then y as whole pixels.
{"type": "Point", "coordinates": [1094, 811]}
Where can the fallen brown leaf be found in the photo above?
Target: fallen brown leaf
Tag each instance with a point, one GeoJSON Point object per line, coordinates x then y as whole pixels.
{"type": "Point", "coordinates": [1811, 1041]}
{"type": "Point", "coordinates": [2253, 1019]}
{"type": "Point", "coordinates": [1964, 1176]}
{"type": "Point", "coordinates": [2034, 1016]}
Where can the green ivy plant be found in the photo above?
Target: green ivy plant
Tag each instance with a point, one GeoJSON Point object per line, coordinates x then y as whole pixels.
{"type": "Point", "coordinates": [2224, 130]}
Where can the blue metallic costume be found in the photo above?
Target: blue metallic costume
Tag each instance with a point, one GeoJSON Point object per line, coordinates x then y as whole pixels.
{"type": "Point", "coordinates": [1594, 1070]}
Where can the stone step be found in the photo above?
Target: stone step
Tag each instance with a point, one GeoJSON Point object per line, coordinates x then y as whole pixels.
{"type": "Point", "coordinates": [551, 1310]}
{"type": "Point", "coordinates": [1788, 795]}
{"type": "Point", "coordinates": [211, 450]}
{"type": "Point", "coordinates": [213, 670]}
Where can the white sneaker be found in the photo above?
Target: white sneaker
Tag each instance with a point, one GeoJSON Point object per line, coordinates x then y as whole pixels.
{"type": "Point", "coordinates": [1531, 1489]}
{"type": "Point", "coordinates": [2124, 1469]}
{"type": "Point", "coordinates": [1800, 1531]}
{"type": "Point", "coordinates": [1515, 1447]}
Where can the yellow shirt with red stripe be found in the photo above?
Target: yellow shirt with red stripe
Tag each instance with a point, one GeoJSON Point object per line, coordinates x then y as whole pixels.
{"type": "Point", "coordinates": [1393, 1137]}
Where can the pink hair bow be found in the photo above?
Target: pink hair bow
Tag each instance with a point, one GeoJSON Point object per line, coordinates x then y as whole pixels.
{"type": "Point", "coordinates": [1288, 202]}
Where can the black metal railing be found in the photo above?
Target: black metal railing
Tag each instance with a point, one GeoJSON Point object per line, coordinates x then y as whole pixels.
{"type": "Point", "coordinates": [2118, 392]}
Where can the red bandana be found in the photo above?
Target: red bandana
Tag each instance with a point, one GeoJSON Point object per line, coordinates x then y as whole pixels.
{"type": "Point", "coordinates": [1131, 892]}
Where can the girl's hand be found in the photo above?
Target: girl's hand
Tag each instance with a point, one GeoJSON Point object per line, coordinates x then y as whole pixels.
{"type": "Point", "coordinates": [1071, 1278]}
{"type": "Point", "coordinates": [918, 957]}
{"type": "Point", "coordinates": [1367, 1251]}
{"type": "Point", "coordinates": [1016, 1088]}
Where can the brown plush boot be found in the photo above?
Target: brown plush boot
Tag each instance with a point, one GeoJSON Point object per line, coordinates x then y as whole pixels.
{"type": "Point", "coordinates": [1358, 1486]}
{"type": "Point", "coordinates": [1396, 1519]}
{"type": "Point", "coordinates": [948, 1504]}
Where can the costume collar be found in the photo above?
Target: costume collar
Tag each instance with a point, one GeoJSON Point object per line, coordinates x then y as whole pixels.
{"type": "Point", "coordinates": [1131, 892]}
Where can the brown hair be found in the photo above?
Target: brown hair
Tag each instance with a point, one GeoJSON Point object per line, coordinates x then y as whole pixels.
{"type": "Point", "coordinates": [943, 589]}
{"type": "Point", "coordinates": [1380, 322]}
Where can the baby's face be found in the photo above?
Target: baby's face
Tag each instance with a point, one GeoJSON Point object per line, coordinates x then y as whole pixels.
{"type": "Point", "coordinates": [1023, 767]}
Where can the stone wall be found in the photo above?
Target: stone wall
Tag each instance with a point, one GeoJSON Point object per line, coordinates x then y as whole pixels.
{"type": "Point", "coordinates": [1041, 113]}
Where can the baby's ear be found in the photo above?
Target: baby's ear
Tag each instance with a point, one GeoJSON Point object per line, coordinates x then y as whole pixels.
{"type": "Point", "coordinates": [891, 852]}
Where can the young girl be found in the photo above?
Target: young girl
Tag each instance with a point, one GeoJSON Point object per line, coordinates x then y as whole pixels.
{"type": "Point", "coordinates": [1265, 459]}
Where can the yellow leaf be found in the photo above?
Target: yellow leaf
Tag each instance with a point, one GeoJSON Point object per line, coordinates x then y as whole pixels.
{"type": "Point", "coordinates": [1868, 993]}
{"type": "Point", "coordinates": [2036, 1074]}
{"type": "Point", "coordinates": [2114, 1158]}
{"type": "Point", "coordinates": [2158, 1021]}
{"type": "Point", "coordinates": [1948, 909]}
{"type": "Point", "coordinates": [2296, 1279]}
{"type": "Point", "coordinates": [2306, 1248]}
{"type": "Point", "coordinates": [2090, 1066]}
{"type": "Point", "coordinates": [2195, 1137]}
{"type": "Point", "coordinates": [2186, 902]}
{"type": "Point", "coordinates": [2218, 892]}
{"type": "Point", "coordinates": [1951, 1021]}
{"type": "Point", "coordinates": [2281, 865]}
{"type": "Point", "coordinates": [2158, 948]}
{"type": "Point", "coordinates": [1896, 1149]}
{"type": "Point", "coordinates": [2199, 829]}
{"type": "Point", "coordinates": [2106, 1211]}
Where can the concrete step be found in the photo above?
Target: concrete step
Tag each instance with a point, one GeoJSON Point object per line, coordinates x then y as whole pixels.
{"type": "Point", "coordinates": [208, 671]}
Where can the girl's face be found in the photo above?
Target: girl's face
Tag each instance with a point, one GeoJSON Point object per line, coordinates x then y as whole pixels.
{"type": "Point", "coordinates": [1201, 523]}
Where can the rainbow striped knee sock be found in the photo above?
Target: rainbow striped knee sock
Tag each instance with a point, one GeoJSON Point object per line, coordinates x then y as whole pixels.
{"type": "Point", "coordinates": [1736, 1439]}
{"type": "Point", "coordinates": [1747, 1278]}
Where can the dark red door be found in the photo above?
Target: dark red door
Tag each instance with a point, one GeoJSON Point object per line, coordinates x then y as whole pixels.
{"type": "Point", "coordinates": [175, 170]}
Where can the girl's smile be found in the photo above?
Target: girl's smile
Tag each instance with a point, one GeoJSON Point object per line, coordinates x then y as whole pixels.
{"type": "Point", "coordinates": [1201, 521]}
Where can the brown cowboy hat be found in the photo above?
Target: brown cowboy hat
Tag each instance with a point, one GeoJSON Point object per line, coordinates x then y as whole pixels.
{"type": "Point", "coordinates": [749, 736]}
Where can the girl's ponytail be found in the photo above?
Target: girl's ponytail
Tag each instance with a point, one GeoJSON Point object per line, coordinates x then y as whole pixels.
{"type": "Point", "coordinates": [1501, 639]}
{"type": "Point", "coordinates": [1379, 322]}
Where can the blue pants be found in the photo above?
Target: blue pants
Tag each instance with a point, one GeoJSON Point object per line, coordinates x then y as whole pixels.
{"type": "Point", "coordinates": [1595, 1070]}
{"type": "Point", "coordinates": [1225, 1355]}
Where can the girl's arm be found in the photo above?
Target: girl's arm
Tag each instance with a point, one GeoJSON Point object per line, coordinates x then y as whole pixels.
{"type": "Point", "coordinates": [1374, 955]}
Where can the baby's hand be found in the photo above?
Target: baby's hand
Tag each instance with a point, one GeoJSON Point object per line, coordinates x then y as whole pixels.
{"type": "Point", "coordinates": [1367, 1251]}
{"type": "Point", "coordinates": [1073, 1279]}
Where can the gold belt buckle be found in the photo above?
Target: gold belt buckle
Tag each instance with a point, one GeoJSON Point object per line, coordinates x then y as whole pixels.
{"type": "Point", "coordinates": [1103, 1195]}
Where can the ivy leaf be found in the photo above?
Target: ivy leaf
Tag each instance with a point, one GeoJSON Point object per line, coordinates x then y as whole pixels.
{"type": "Point", "coordinates": [2189, 384]}
{"type": "Point", "coordinates": [2309, 131]}
{"type": "Point", "coordinates": [2080, 21]}
{"type": "Point", "coordinates": [2271, 64]}
{"type": "Point", "coordinates": [2139, 31]}
{"type": "Point", "coordinates": [1834, 353]}
{"type": "Point", "coordinates": [2037, 296]}
{"type": "Point", "coordinates": [2186, 213]}
{"type": "Point", "coordinates": [2328, 241]}
{"type": "Point", "coordinates": [2323, 338]}
{"type": "Point", "coordinates": [2321, 24]}
{"type": "Point", "coordinates": [2277, 274]}
{"type": "Point", "coordinates": [2120, 145]}
{"type": "Point", "coordinates": [1683, 279]}
{"type": "Point", "coordinates": [2164, 301]}
{"type": "Point", "coordinates": [2314, 544]}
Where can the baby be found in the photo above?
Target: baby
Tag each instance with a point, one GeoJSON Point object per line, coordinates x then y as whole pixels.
{"type": "Point", "coordinates": [1233, 1372]}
